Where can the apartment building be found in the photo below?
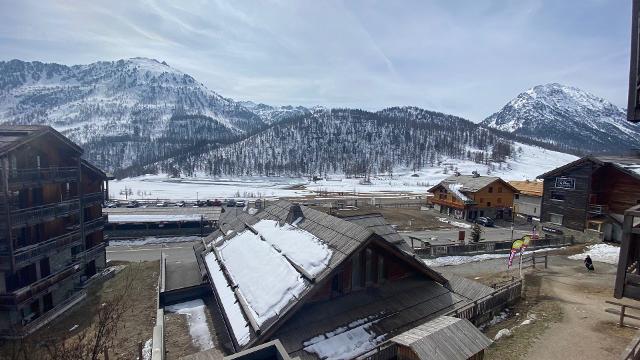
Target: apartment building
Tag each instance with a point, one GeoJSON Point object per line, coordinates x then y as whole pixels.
{"type": "Point", "coordinates": [51, 226]}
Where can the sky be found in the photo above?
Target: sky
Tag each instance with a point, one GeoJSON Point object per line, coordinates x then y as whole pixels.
{"type": "Point", "coordinates": [467, 58]}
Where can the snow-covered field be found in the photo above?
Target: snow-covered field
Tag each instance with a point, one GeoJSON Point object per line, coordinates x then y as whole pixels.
{"type": "Point", "coordinates": [197, 320]}
{"type": "Point", "coordinates": [345, 342]}
{"type": "Point", "coordinates": [604, 253]}
{"type": "Point", "coordinates": [529, 163]}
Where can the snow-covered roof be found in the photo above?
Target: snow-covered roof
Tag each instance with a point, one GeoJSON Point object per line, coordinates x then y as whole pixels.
{"type": "Point", "coordinates": [130, 218]}
{"type": "Point", "coordinates": [267, 264]}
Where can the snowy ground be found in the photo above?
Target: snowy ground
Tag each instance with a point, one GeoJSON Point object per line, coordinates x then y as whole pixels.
{"type": "Point", "coordinates": [345, 342]}
{"type": "Point", "coordinates": [600, 253]}
{"type": "Point", "coordinates": [529, 163]}
{"type": "Point", "coordinates": [197, 319]}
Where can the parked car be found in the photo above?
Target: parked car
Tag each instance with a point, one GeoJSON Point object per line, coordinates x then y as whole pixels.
{"type": "Point", "coordinates": [240, 203]}
{"type": "Point", "coordinates": [111, 204]}
{"type": "Point", "coordinates": [485, 221]}
{"type": "Point", "coordinates": [216, 202]}
{"type": "Point", "coordinates": [231, 203]}
{"type": "Point", "coordinates": [132, 204]}
{"type": "Point", "coordinates": [180, 204]}
{"type": "Point", "coordinates": [162, 204]}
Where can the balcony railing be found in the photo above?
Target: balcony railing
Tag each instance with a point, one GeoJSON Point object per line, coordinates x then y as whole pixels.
{"type": "Point", "coordinates": [32, 251]}
{"type": "Point", "coordinates": [39, 213]}
{"type": "Point", "coordinates": [93, 198]}
{"type": "Point", "coordinates": [24, 330]}
{"type": "Point", "coordinates": [29, 291]}
{"type": "Point", "coordinates": [95, 224]}
{"type": "Point", "coordinates": [91, 253]}
{"type": "Point", "coordinates": [50, 174]}
{"type": "Point", "coordinates": [598, 209]}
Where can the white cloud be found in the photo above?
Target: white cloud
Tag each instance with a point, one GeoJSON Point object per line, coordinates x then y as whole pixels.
{"type": "Point", "coordinates": [462, 58]}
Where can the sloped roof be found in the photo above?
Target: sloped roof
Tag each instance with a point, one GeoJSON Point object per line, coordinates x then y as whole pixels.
{"type": "Point", "coordinates": [377, 223]}
{"type": "Point", "coordinates": [444, 338]}
{"type": "Point", "coordinates": [627, 164]}
{"type": "Point", "coordinates": [13, 136]}
{"type": "Point", "coordinates": [528, 187]}
{"type": "Point", "coordinates": [96, 170]}
{"type": "Point", "coordinates": [470, 183]}
{"type": "Point", "coordinates": [263, 267]}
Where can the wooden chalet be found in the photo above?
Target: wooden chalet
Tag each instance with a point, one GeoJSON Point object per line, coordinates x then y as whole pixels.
{"type": "Point", "coordinates": [51, 238]}
{"type": "Point", "coordinates": [472, 196]}
{"type": "Point", "coordinates": [312, 281]}
{"type": "Point", "coordinates": [587, 198]}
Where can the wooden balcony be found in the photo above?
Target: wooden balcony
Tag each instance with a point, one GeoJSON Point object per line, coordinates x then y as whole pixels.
{"type": "Point", "coordinates": [33, 325]}
{"type": "Point", "coordinates": [93, 198]}
{"type": "Point", "coordinates": [38, 214]}
{"type": "Point", "coordinates": [32, 290]}
{"type": "Point", "coordinates": [95, 224]}
{"type": "Point", "coordinates": [92, 253]}
{"type": "Point", "coordinates": [33, 252]}
{"type": "Point", "coordinates": [31, 177]}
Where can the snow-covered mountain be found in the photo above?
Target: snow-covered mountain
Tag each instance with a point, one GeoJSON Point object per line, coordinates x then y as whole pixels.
{"type": "Point", "coordinates": [569, 118]}
{"type": "Point", "coordinates": [124, 112]}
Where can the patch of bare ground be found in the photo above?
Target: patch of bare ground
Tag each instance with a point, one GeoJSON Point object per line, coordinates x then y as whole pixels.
{"type": "Point", "coordinates": [177, 341]}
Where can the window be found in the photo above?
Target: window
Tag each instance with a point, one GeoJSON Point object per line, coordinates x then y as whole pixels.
{"type": "Point", "coordinates": [500, 189]}
{"type": "Point", "coordinates": [516, 196]}
{"type": "Point", "coordinates": [555, 218]}
{"type": "Point", "coordinates": [499, 200]}
{"type": "Point", "coordinates": [557, 196]}
{"type": "Point", "coordinates": [381, 270]}
{"type": "Point", "coordinates": [535, 210]}
{"type": "Point", "coordinates": [356, 272]}
{"type": "Point", "coordinates": [369, 266]}
{"type": "Point", "coordinates": [489, 204]}
{"type": "Point", "coordinates": [490, 189]}
{"type": "Point", "coordinates": [481, 200]}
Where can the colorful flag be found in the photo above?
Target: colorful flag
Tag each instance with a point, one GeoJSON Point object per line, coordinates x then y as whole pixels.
{"type": "Point", "coordinates": [518, 245]}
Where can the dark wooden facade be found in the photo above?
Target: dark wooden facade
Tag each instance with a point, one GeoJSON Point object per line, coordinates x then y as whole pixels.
{"type": "Point", "coordinates": [51, 226]}
{"type": "Point", "coordinates": [591, 193]}
{"type": "Point", "coordinates": [628, 275]}
{"type": "Point", "coordinates": [633, 108]}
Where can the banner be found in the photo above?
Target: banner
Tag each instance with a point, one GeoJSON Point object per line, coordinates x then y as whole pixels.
{"type": "Point", "coordinates": [518, 245]}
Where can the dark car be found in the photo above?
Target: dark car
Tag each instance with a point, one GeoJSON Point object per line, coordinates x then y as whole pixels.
{"type": "Point", "coordinates": [133, 204]}
{"type": "Point", "coordinates": [485, 221]}
{"type": "Point", "coordinates": [216, 202]}
{"type": "Point", "coordinates": [231, 203]}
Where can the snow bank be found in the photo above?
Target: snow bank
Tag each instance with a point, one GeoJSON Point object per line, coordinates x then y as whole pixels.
{"type": "Point", "coordinates": [246, 257]}
{"type": "Point", "coordinates": [344, 343]}
{"type": "Point", "coordinates": [604, 253]}
{"type": "Point", "coordinates": [228, 299]}
{"type": "Point", "coordinates": [197, 319]}
{"type": "Point", "coordinates": [146, 350]}
{"type": "Point", "coordinates": [300, 246]}
{"type": "Point", "coordinates": [154, 240]}
{"type": "Point", "coordinates": [454, 223]}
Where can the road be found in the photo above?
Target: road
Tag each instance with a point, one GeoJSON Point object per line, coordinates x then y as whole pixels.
{"type": "Point", "coordinates": [182, 251]}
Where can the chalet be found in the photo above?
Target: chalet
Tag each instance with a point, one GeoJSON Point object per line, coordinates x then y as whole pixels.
{"type": "Point", "coordinates": [471, 196]}
{"type": "Point", "coordinates": [323, 286]}
{"type": "Point", "coordinates": [587, 198]}
{"type": "Point", "coordinates": [527, 202]}
{"type": "Point", "coordinates": [51, 238]}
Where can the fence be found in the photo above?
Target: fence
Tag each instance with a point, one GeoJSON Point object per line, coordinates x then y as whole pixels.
{"type": "Point", "coordinates": [482, 309]}
{"type": "Point", "coordinates": [486, 247]}
{"type": "Point", "coordinates": [478, 312]}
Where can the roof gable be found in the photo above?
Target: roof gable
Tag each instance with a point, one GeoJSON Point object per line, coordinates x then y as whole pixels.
{"type": "Point", "coordinates": [628, 164]}
{"type": "Point", "coordinates": [14, 136]}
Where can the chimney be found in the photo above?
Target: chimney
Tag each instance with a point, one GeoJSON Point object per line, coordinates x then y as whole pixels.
{"type": "Point", "coordinates": [295, 214]}
{"type": "Point", "coordinates": [475, 174]}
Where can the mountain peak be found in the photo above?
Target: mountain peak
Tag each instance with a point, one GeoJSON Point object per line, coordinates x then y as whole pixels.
{"type": "Point", "coordinates": [568, 116]}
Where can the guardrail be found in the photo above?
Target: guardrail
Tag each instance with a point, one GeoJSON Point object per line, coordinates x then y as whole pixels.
{"type": "Point", "coordinates": [95, 224]}
{"type": "Point", "coordinates": [93, 198]}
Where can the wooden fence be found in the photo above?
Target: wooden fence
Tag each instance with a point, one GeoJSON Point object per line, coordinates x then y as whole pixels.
{"type": "Point", "coordinates": [487, 247]}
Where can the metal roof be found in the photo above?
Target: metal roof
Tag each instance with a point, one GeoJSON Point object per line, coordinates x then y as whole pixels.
{"type": "Point", "coordinates": [378, 224]}
{"type": "Point", "coordinates": [444, 338]}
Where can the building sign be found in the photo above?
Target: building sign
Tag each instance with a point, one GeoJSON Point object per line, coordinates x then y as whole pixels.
{"type": "Point", "coordinates": [565, 183]}
{"type": "Point", "coordinates": [551, 230]}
